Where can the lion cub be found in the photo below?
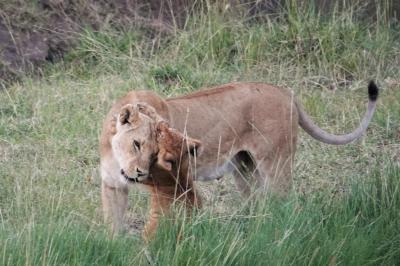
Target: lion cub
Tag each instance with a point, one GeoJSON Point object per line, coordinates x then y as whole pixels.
{"type": "Point", "coordinates": [170, 179]}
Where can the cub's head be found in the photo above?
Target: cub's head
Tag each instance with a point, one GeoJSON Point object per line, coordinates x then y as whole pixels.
{"type": "Point", "coordinates": [135, 141]}
{"type": "Point", "coordinates": [175, 149]}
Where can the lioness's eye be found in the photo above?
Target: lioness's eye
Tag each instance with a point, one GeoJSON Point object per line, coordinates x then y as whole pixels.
{"type": "Point", "coordinates": [136, 144]}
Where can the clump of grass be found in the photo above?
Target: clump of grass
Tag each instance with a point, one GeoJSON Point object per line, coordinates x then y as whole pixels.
{"type": "Point", "coordinates": [107, 50]}
{"type": "Point", "coordinates": [63, 242]}
{"type": "Point", "coordinates": [340, 46]}
{"type": "Point", "coordinates": [170, 78]}
{"type": "Point", "coordinates": [360, 227]}
{"type": "Point", "coordinates": [357, 229]}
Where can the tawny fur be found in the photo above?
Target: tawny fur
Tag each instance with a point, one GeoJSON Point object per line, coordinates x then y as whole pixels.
{"type": "Point", "coordinates": [248, 129]}
{"type": "Point", "coordinates": [173, 183]}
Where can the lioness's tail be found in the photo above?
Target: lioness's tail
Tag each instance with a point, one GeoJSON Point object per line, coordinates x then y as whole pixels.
{"type": "Point", "coordinates": [308, 125]}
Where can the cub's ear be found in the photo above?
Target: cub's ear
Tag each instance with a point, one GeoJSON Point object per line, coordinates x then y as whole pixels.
{"type": "Point", "coordinates": [129, 114]}
{"type": "Point", "coordinates": [193, 146]}
{"type": "Point", "coordinates": [165, 160]}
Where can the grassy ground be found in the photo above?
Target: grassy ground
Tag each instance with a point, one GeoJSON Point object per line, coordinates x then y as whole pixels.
{"type": "Point", "coordinates": [345, 204]}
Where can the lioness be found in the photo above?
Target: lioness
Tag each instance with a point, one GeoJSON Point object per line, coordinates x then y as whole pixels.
{"type": "Point", "coordinates": [168, 179]}
{"type": "Point", "coordinates": [247, 129]}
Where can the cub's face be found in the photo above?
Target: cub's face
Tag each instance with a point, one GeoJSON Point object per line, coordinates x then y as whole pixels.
{"type": "Point", "coordinates": [174, 149]}
{"type": "Point", "coordinates": [134, 145]}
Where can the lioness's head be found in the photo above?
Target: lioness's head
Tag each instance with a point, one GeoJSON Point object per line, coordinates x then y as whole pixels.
{"type": "Point", "coordinates": [135, 144]}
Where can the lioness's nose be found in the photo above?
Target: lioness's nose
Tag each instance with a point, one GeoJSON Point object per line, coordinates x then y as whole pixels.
{"type": "Point", "coordinates": [141, 172]}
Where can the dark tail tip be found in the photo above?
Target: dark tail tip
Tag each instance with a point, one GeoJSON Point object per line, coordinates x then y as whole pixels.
{"type": "Point", "coordinates": [373, 91]}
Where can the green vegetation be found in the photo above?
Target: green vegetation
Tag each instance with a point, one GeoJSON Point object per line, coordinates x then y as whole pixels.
{"type": "Point", "coordinates": [345, 205]}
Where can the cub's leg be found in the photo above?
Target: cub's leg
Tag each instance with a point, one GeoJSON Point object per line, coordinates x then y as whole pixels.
{"type": "Point", "coordinates": [115, 203]}
{"type": "Point", "coordinates": [161, 201]}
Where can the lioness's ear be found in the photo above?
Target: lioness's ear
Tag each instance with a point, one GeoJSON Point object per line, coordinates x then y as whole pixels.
{"type": "Point", "coordinates": [193, 146]}
{"type": "Point", "coordinates": [129, 114]}
{"type": "Point", "coordinates": [149, 111]}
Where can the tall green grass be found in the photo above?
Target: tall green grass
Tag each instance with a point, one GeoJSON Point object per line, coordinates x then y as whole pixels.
{"type": "Point", "coordinates": [358, 228]}
{"type": "Point", "coordinates": [344, 207]}
{"type": "Point", "coordinates": [339, 46]}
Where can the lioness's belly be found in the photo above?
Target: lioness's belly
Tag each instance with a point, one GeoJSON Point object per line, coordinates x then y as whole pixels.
{"type": "Point", "coordinates": [212, 171]}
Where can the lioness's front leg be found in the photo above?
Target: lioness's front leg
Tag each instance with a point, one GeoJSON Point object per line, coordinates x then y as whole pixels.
{"type": "Point", "coordinates": [115, 203]}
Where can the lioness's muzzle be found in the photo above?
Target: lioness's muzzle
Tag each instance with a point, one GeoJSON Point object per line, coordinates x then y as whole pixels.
{"type": "Point", "coordinates": [140, 176]}
{"type": "Point", "coordinates": [131, 179]}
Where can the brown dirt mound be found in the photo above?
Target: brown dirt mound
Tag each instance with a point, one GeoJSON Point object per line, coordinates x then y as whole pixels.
{"type": "Point", "coordinates": [33, 32]}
